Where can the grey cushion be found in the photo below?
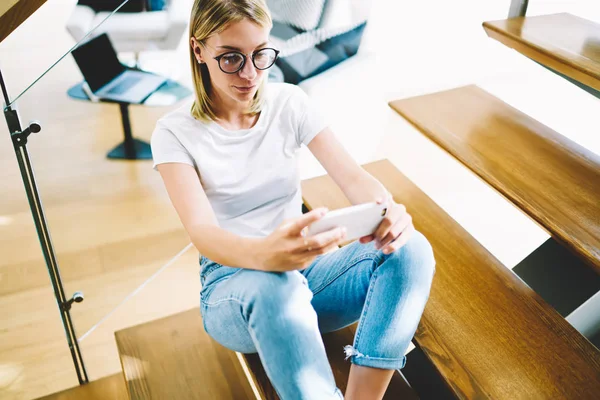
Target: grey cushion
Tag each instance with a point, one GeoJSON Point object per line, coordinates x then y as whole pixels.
{"type": "Point", "coordinates": [314, 60]}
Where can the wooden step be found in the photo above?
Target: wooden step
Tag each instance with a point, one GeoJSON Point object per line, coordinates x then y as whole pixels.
{"type": "Point", "coordinates": [486, 332]}
{"type": "Point", "coordinates": [334, 344]}
{"type": "Point", "coordinates": [14, 12]}
{"type": "Point", "coordinates": [174, 358]}
{"type": "Point", "coordinates": [562, 42]}
{"type": "Point", "coordinates": [551, 178]}
{"type": "Point", "coordinates": [112, 387]}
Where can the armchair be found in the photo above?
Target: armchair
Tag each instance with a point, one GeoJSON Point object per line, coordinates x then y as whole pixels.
{"type": "Point", "coordinates": [135, 32]}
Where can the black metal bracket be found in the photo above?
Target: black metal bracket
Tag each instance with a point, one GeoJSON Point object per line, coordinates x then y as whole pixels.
{"type": "Point", "coordinates": [581, 85]}
{"type": "Point", "coordinates": [19, 138]}
{"type": "Point", "coordinates": [77, 298]}
{"type": "Point", "coordinates": [12, 119]}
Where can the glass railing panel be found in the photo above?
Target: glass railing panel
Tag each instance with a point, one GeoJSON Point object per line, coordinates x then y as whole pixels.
{"type": "Point", "coordinates": [110, 220]}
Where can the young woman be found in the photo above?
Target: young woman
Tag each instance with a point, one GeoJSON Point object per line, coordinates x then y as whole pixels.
{"type": "Point", "coordinates": [229, 163]}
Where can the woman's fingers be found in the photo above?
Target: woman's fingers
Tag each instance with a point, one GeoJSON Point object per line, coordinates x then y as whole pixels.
{"type": "Point", "coordinates": [309, 255]}
{"type": "Point", "coordinates": [400, 240]}
{"type": "Point", "coordinates": [366, 239]}
{"type": "Point", "coordinates": [319, 241]}
{"type": "Point", "coordinates": [295, 227]}
{"type": "Point", "coordinates": [395, 213]}
{"type": "Point", "coordinates": [396, 230]}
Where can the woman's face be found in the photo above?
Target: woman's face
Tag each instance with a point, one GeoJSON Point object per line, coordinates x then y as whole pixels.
{"type": "Point", "coordinates": [245, 37]}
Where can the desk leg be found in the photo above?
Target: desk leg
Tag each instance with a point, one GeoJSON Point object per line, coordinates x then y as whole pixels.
{"type": "Point", "coordinates": [131, 148]}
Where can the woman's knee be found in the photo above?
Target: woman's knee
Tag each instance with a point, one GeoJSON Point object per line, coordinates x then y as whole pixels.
{"type": "Point", "coordinates": [415, 259]}
{"type": "Point", "coordinates": [277, 293]}
{"type": "Point", "coordinates": [267, 302]}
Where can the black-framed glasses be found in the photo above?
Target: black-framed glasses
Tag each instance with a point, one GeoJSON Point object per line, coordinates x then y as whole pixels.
{"type": "Point", "coordinates": [233, 61]}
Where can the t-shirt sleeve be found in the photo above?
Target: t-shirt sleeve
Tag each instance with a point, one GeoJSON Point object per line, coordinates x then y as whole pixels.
{"type": "Point", "coordinates": [166, 148]}
{"type": "Point", "coordinates": [310, 120]}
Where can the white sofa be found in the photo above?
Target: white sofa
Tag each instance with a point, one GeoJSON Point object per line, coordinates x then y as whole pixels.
{"type": "Point", "coordinates": [134, 32]}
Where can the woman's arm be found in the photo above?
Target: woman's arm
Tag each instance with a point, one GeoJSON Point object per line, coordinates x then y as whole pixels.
{"type": "Point", "coordinates": [199, 220]}
{"type": "Point", "coordinates": [284, 250]}
{"type": "Point", "coordinates": [361, 187]}
{"type": "Point", "coordinates": [356, 183]}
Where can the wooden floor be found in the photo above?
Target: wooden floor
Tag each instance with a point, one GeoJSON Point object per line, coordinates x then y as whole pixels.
{"type": "Point", "coordinates": [112, 387]}
{"type": "Point", "coordinates": [111, 222]}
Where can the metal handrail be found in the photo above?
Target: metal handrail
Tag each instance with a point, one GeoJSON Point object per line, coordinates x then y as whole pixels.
{"type": "Point", "coordinates": [518, 8]}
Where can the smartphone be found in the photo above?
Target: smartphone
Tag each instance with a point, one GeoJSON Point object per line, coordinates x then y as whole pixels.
{"type": "Point", "coordinates": [359, 220]}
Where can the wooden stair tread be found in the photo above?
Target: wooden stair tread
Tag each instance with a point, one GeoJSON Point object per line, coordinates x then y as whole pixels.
{"type": "Point", "coordinates": [334, 344]}
{"type": "Point", "coordinates": [174, 358]}
{"type": "Point", "coordinates": [111, 387]}
{"type": "Point", "coordinates": [14, 12]}
{"type": "Point", "coordinates": [551, 178]}
{"type": "Point", "coordinates": [562, 42]}
{"type": "Point", "coordinates": [487, 333]}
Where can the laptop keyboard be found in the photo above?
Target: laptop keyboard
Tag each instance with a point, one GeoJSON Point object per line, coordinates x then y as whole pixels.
{"type": "Point", "coordinates": [124, 85]}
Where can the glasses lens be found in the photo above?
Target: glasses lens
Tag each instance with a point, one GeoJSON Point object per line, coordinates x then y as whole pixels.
{"type": "Point", "coordinates": [264, 58]}
{"type": "Point", "coordinates": [231, 62]}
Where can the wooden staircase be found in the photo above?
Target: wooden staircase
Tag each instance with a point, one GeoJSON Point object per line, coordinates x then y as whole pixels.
{"type": "Point", "coordinates": [549, 177]}
{"type": "Point", "coordinates": [563, 42]}
{"type": "Point", "coordinates": [334, 343]}
{"type": "Point", "coordinates": [484, 330]}
{"type": "Point", "coordinates": [173, 358]}
{"type": "Point", "coordinates": [487, 334]}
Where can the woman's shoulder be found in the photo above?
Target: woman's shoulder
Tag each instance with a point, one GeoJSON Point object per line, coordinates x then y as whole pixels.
{"type": "Point", "coordinates": [279, 91]}
{"type": "Point", "coordinates": [178, 119]}
{"type": "Point", "coordinates": [287, 98]}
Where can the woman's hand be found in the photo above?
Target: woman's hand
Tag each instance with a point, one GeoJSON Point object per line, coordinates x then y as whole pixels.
{"type": "Point", "coordinates": [394, 231]}
{"type": "Point", "coordinates": [288, 249]}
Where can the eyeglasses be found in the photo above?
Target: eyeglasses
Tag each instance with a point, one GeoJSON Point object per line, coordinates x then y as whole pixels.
{"type": "Point", "coordinates": [233, 61]}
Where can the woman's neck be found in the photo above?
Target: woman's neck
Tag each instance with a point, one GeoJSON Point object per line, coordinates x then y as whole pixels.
{"type": "Point", "coordinates": [238, 121]}
{"type": "Point", "coordinates": [233, 115]}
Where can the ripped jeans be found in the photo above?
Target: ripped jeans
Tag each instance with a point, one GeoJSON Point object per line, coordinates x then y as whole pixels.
{"type": "Point", "coordinates": [281, 315]}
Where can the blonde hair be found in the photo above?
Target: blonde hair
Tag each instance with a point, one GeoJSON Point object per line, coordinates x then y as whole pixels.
{"type": "Point", "coordinates": [210, 17]}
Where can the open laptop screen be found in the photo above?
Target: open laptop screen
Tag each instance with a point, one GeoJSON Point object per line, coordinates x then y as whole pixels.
{"type": "Point", "coordinates": [98, 61]}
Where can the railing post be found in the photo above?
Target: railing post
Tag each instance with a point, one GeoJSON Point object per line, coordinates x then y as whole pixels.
{"type": "Point", "coordinates": [518, 8]}
{"type": "Point", "coordinates": [586, 318]}
{"type": "Point", "coordinates": [19, 139]}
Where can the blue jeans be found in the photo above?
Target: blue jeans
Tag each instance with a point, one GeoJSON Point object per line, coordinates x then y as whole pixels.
{"type": "Point", "coordinates": [281, 315]}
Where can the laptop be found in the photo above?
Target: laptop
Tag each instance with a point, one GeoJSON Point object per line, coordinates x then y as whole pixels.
{"type": "Point", "coordinates": [106, 78]}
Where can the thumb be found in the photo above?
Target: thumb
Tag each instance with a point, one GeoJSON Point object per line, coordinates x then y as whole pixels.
{"type": "Point", "coordinates": [384, 199]}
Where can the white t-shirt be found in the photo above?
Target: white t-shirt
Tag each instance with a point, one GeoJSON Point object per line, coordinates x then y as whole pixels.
{"type": "Point", "coordinates": [250, 176]}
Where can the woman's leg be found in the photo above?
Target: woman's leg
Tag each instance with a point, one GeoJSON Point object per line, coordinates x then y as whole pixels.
{"type": "Point", "coordinates": [387, 293]}
{"type": "Point", "coordinates": [271, 313]}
